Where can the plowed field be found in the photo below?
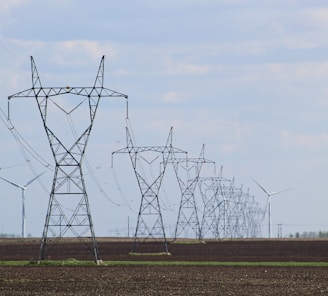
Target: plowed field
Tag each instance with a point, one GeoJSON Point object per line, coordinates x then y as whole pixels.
{"type": "Point", "coordinates": [169, 280]}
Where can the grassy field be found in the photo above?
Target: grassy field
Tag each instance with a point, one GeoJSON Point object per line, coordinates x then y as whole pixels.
{"type": "Point", "coordinates": [74, 262]}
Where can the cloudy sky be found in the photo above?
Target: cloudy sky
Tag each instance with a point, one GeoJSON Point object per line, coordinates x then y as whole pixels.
{"type": "Point", "coordinates": [246, 78]}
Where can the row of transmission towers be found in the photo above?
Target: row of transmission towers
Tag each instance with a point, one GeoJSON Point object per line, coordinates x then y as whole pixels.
{"type": "Point", "coordinates": [225, 210]}
{"type": "Point", "coordinates": [228, 210]}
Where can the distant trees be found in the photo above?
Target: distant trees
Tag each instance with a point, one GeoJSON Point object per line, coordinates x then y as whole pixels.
{"type": "Point", "coordinates": [8, 235]}
{"type": "Point", "coordinates": [310, 234]}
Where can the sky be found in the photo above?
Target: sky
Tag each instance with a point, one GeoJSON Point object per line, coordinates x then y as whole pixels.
{"type": "Point", "coordinates": [246, 78]}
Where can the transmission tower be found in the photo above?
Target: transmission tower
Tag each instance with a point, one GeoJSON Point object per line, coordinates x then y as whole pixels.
{"type": "Point", "coordinates": [242, 213]}
{"type": "Point", "coordinates": [68, 210]}
{"type": "Point", "coordinates": [209, 188]}
{"type": "Point", "coordinates": [229, 212]}
{"type": "Point", "coordinates": [223, 213]}
{"type": "Point", "coordinates": [252, 214]}
{"type": "Point", "coordinates": [150, 221]}
{"type": "Point", "coordinates": [214, 196]}
{"type": "Point", "coordinates": [233, 209]}
{"type": "Point", "coordinates": [187, 171]}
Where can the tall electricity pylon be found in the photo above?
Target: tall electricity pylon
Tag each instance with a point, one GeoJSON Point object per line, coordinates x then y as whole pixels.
{"type": "Point", "coordinates": [209, 188]}
{"type": "Point", "coordinates": [68, 210]}
{"type": "Point", "coordinates": [187, 171]}
{"type": "Point", "coordinates": [150, 221]}
{"type": "Point", "coordinates": [229, 212]}
{"type": "Point", "coordinates": [214, 195]}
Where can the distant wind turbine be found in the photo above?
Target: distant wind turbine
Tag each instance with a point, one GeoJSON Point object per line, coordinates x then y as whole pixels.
{"type": "Point", "coordinates": [269, 203]}
{"type": "Point", "coordinates": [23, 187]}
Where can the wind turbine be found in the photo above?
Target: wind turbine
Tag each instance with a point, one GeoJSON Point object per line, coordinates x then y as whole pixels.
{"type": "Point", "coordinates": [23, 187]}
{"type": "Point", "coordinates": [269, 203]}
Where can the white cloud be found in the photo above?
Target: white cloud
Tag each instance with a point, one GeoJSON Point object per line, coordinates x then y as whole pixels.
{"type": "Point", "coordinates": [186, 69]}
{"type": "Point", "coordinates": [173, 97]}
{"type": "Point", "coordinates": [298, 42]}
{"type": "Point", "coordinates": [92, 48]}
{"type": "Point", "coordinates": [192, 128]}
{"type": "Point", "coordinates": [302, 71]}
{"type": "Point", "coordinates": [324, 99]}
{"type": "Point", "coordinates": [308, 141]}
{"type": "Point", "coordinates": [74, 49]}
{"type": "Point", "coordinates": [6, 5]}
{"type": "Point", "coordinates": [316, 16]}
{"type": "Point", "coordinates": [195, 3]}
{"type": "Point", "coordinates": [28, 45]}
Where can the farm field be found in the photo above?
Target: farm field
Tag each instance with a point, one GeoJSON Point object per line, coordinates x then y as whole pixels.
{"type": "Point", "coordinates": [113, 278]}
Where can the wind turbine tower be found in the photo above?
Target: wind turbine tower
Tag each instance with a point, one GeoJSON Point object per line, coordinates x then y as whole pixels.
{"type": "Point", "coordinates": [269, 194]}
{"type": "Point", "coordinates": [23, 187]}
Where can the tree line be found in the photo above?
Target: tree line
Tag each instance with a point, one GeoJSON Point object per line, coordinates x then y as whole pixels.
{"type": "Point", "coordinates": [310, 234]}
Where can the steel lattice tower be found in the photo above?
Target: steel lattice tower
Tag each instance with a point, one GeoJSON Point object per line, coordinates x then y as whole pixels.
{"type": "Point", "coordinates": [223, 207]}
{"type": "Point", "coordinates": [209, 188]}
{"type": "Point", "coordinates": [150, 222]}
{"type": "Point", "coordinates": [190, 168]}
{"type": "Point", "coordinates": [229, 212]}
{"type": "Point", "coordinates": [68, 208]}
{"type": "Point", "coordinates": [215, 193]}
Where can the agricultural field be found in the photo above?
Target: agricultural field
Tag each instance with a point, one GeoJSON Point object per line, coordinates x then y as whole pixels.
{"type": "Point", "coordinates": [225, 267]}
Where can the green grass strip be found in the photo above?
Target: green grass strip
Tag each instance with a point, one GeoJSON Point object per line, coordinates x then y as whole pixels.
{"type": "Point", "coordinates": [214, 263]}
{"type": "Point", "coordinates": [195, 242]}
{"type": "Point", "coordinates": [74, 262]}
{"type": "Point", "coordinates": [68, 262]}
{"type": "Point", "coordinates": [150, 254]}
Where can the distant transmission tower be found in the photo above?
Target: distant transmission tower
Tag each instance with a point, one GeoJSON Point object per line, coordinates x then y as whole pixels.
{"type": "Point", "coordinates": [214, 195]}
{"type": "Point", "coordinates": [68, 209]}
{"type": "Point", "coordinates": [211, 195]}
{"type": "Point", "coordinates": [187, 171]}
{"type": "Point", "coordinates": [150, 221]}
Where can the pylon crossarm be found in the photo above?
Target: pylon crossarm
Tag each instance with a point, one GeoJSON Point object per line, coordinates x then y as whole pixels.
{"type": "Point", "coordinates": [140, 149]}
{"type": "Point", "coordinates": [28, 93]}
{"type": "Point", "coordinates": [56, 91]}
{"type": "Point", "coordinates": [106, 92]}
{"type": "Point", "coordinates": [193, 160]}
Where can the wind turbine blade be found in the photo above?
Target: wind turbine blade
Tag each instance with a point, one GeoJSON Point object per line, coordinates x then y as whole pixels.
{"type": "Point", "coordinates": [9, 167]}
{"type": "Point", "coordinates": [266, 191]}
{"type": "Point", "coordinates": [16, 185]}
{"type": "Point", "coordinates": [276, 192]}
{"type": "Point", "coordinates": [29, 182]}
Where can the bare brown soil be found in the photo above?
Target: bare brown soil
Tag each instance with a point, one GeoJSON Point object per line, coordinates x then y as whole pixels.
{"type": "Point", "coordinates": [168, 280]}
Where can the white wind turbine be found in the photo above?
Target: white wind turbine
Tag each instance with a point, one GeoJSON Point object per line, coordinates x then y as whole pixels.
{"type": "Point", "coordinates": [269, 203]}
{"type": "Point", "coordinates": [23, 187]}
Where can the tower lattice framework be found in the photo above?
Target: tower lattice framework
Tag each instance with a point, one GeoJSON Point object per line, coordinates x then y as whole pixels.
{"type": "Point", "coordinates": [68, 212]}
{"type": "Point", "coordinates": [150, 221]}
{"type": "Point", "coordinates": [187, 171]}
{"type": "Point", "coordinates": [210, 191]}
